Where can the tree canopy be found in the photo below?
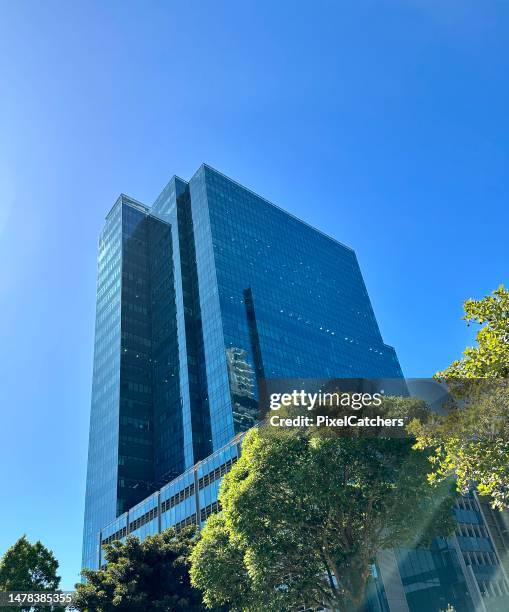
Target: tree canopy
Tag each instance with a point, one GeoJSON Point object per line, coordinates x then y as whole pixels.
{"type": "Point", "coordinates": [304, 515]}
{"type": "Point", "coordinates": [490, 357]}
{"type": "Point", "coordinates": [28, 567]}
{"type": "Point", "coordinates": [142, 576]}
{"type": "Point", "coordinates": [471, 441]}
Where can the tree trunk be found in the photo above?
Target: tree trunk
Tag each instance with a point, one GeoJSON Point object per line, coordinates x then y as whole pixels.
{"type": "Point", "coordinates": [353, 595]}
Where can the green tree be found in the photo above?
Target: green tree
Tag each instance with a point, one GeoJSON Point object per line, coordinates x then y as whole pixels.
{"type": "Point", "coordinates": [218, 569]}
{"type": "Point", "coordinates": [28, 567]}
{"type": "Point", "coordinates": [490, 358]}
{"type": "Point", "coordinates": [472, 440]}
{"type": "Point", "coordinates": [305, 513]}
{"type": "Point", "coordinates": [142, 576]}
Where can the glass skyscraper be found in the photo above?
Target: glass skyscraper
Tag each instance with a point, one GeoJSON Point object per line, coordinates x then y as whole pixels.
{"type": "Point", "coordinates": [200, 296]}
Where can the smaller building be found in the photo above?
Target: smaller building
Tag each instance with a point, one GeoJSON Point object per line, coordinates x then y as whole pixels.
{"type": "Point", "coordinates": [464, 570]}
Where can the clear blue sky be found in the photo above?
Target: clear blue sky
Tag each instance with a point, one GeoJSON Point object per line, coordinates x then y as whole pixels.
{"type": "Point", "coordinates": [383, 123]}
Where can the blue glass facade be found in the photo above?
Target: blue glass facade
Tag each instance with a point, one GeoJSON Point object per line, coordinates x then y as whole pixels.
{"type": "Point", "coordinates": [136, 425]}
{"type": "Point", "coordinates": [102, 469]}
{"type": "Point", "coordinates": [278, 299]}
{"type": "Point", "coordinates": [200, 296]}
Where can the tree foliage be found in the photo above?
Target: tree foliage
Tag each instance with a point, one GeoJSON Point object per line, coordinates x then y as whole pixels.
{"type": "Point", "coordinates": [28, 567]}
{"type": "Point", "coordinates": [142, 576]}
{"type": "Point", "coordinates": [472, 439]}
{"type": "Point", "coordinates": [305, 513]}
{"type": "Point", "coordinates": [490, 358]}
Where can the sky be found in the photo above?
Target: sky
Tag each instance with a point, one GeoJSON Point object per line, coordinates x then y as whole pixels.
{"type": "Point", "coordinates": [383, 123]}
